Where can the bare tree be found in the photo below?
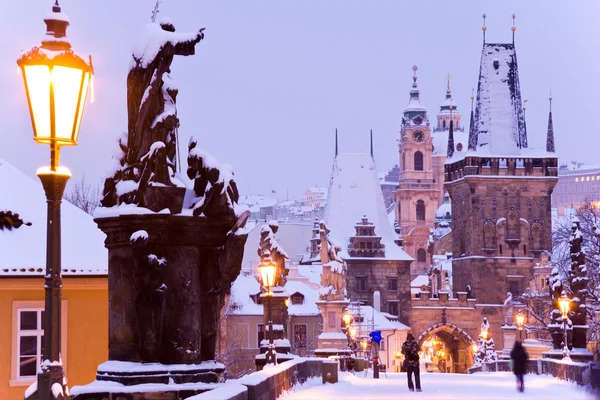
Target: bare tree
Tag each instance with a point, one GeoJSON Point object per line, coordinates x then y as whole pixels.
{"type": "Point", "coordinates": [84, 195]}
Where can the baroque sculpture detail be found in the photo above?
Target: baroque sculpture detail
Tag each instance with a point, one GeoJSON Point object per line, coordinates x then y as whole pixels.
{"type": "Point", "coordinates": [333, 277]}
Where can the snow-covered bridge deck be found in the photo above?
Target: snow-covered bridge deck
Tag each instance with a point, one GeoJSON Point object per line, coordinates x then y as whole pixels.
{"type": "Point", "coordinates": [488, 386]}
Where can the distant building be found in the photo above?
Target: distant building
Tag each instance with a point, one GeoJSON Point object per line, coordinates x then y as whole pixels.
{"type": "Point", "coordinates": [315, 196]}
{"type": "Point", "coordinates": [576, 187]}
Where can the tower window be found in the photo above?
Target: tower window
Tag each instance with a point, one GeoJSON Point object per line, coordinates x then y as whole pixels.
{"type": "Point", "coordinates": [421, 255]}
{"type": "Point", "coordinates": [420, 210]}
{"type": "Point", "coordinates": [418, 161]}
{"type": "Point", "coordinates": [444, 124]}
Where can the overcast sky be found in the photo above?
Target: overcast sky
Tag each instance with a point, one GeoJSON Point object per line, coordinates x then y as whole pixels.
{"type": "Point", "coordinates": [273, 79]}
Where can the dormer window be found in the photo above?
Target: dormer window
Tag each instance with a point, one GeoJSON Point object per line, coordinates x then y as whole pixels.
{"type": "Point", "coordinates": [418, 120]}
{"type": "Point", "coordinates": [297, 298]}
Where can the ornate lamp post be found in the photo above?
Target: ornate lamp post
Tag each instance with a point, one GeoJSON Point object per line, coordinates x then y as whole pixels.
{"type": "Point", "coordinates": [56, 84]}
{"type": "Point", "coordinates": [484, 336]}
{"type": "Point", "coordinates": [565, 303]}
{"type": "Point", "coordinates": [267, 272]}
{"type": "Point", "coordinates": [520, 318]}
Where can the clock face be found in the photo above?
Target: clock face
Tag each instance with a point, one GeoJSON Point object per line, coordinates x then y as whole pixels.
{"type": "Point", "coordinates": [418, 136]}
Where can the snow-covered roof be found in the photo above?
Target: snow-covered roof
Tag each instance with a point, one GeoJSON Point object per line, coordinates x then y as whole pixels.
{"type": "Point", "coordinates": [420, 280]}
{"type": "Point", "coordinates": [316, 189]}
{"type": "Point", "coordinates": [24, 249]}
{"type": "Point", "coordinates": [355, 192]}
{"type": "Point", "coordinates": [257, 200]}
{"type": "Point", "coordinates": [443, 210]}
{"type": "Point", "coordinates": [499, 118]}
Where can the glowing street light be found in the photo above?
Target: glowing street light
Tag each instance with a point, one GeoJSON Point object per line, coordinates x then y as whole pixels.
{"type": "Point", "coordinates": [347, 318]}
{"type": "Point", "coordinates": [565, 304]}
{"type": "Point", "coordinates": [484, 334]}
{"type": "Point", "coordinates": [56, 84]}
{"type": "Point", "coordinates": [520, 318]}
{"type": "Point", "coordinates": [267, 272]}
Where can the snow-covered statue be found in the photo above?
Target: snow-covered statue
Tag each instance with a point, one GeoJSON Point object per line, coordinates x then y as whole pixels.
{"type": "Point", "coordinates": [147, 159]}
{"type": "Point", "coordinates": [486, 348]}
{"type": "Point", "coordinates": [333, 277]}
{"type": "Point", "coordinates": [508, 309]}
{"type": "Point", "coordinates": [270, 250]}
{"type": "Point", "coordinates": [434, 277]}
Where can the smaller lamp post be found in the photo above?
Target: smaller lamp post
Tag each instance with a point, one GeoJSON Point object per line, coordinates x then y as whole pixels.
{"type": "Point", "coordinates": [267, 272]}
{"type": "Point", "coordinates": [564, 303]}
{"type": "Point", "coordinates": [520, 318]}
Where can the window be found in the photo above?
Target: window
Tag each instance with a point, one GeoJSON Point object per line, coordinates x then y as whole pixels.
{"type": "Point", "coordinates": [299, 336]}
{"type": "Point", "coordinates": [260, 333]}
{"type": "Point", "coordinates": [444, 124]}
{"type": "Point", "coordinates": [513, 287]}
{"type": "Point", "coordinates": [27, 344]}
{"type": "Point", "coordinates": [30, 341]}
{"type": "Point", "coordinates": [418, 161]}
{"type": "Point", "coordinates": [297, 298]}
{"type": "Point", "coordinates": [420, 210]}
{"type": "Point", "coordinates": [361, 284]}
{"type": "Point", "coordinates": [421, 255]}
{"type": "Point", "coordinates": [392, 284]}
{"type": "Point", "coordinates": [393, 308]}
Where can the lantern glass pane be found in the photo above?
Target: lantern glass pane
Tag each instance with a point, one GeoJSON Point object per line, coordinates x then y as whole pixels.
{"type": "Point", "coordinates": [84, 91]}
{"type": "Point", "coordinates": [67, 84]}
{"type": "Point", "coordinates": [37, 78]}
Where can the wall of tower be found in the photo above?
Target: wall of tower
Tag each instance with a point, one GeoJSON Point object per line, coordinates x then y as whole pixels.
{"type": "Point", "coordinates": [501, 226]}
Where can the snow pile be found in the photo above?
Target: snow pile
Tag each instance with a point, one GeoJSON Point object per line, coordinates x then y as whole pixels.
{"type": "Point", "coordinates": [24, 250]}
{"type": "Point", "coordinates": [354, 192]}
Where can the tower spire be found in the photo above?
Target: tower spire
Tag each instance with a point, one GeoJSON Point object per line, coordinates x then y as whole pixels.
{"type": "Point", "coordinates": [451, 136]}
{"type": "Point", "coordinates": [372, 143]}
{"type": "Point", "coordinates": [514, 28]}
{"type": "Point", "coordinates": [336, 143]}
{"type": "Point", "coordinates": [483, 28]}
{"type": "Point", "coordinates": [415, 68]}
{"type": "Point", "coordinates": [472, 137]}
{"type": "Point", "coordinates": [550, 147]}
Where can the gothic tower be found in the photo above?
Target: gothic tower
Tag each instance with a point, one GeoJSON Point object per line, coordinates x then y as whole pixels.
{"type": "Point", "coordinates": [417, 197]}
{"type": "Point", "coordinates": [500, 189]}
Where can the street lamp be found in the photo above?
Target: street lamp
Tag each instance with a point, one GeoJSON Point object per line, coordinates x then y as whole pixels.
{"type": "Point", "coordinates": [267, 272]}
{"type": "Point", "coordinates": [520, 318]}
{"type": "Point", "coordinates": [56, 84]}
{"type": "Point", "coordinates": [564, 303]}
{"type": "Point", "coordinates": [347, 318]}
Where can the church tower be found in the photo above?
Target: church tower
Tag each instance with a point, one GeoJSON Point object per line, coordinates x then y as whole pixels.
{"type": "Point", "coordinates": [418, 194]}
{"type": "Point", "coordinates": [500, 189]}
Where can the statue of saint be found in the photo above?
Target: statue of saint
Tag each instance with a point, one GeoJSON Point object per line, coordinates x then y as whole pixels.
{"type": "Point", "coordinates": [333, 277]}
{"type": "Point", "coordinates": [508, 309]}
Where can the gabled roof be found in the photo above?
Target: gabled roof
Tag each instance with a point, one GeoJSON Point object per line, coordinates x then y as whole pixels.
{"type": "Point", "coordinates": [23, 250]}
{"type": "Point", "coordinates": [354, 192]}
{"type": "Point", "coordinates": [499, 118]}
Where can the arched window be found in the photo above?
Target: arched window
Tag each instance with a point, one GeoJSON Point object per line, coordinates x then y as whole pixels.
{"type": "Point", "coordinates": [418, 161]}
{"type": "Point", "coordinates": [444, 124]}
{"type": "Point", "coordinates": [420, 210]}
{"type": "Point", "coordinates": [421, 255]}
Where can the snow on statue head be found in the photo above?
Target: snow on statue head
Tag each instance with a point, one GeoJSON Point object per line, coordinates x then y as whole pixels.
{"type": "Point", "coordinates": [333, 277]}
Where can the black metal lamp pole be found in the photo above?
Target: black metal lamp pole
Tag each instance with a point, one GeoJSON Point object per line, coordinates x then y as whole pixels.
{"type": "Point", "coordinates": [51, 373]}
{"type": "Point", "coordinates": [270, 357]}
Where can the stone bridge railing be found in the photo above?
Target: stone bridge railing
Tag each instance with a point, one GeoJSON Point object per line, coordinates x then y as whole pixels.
{"type": "Point", "coordinates": [574, 372]}
{"type": "Point", "coordinates": [271, 382]}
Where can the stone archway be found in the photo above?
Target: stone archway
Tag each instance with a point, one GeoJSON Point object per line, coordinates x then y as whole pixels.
{"type": "Point", "coordinates": [457, 339]}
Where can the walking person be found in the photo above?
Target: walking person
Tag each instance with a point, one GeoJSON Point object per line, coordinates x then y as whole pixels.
{"type": "Point", "coordinates": [411, 349]}
{"type": "Point", "coordinates": [519, 357]}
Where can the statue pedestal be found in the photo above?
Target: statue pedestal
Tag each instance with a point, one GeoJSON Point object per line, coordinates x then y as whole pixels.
{"type": "Point", "coordinates": [332, 341]}
{"type": "Point", "coordinates": [510, 334]}
{"type": "Point", "coordinates": [167, 279]}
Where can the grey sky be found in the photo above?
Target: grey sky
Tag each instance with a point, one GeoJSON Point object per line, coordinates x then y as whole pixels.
{"type": "Point", "coordinates": [273, 79]}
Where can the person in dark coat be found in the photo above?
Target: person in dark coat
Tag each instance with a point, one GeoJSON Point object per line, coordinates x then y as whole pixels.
{"type": "Point", "coordinates": [519, 358]}
{"type": "Point", "coordinates": [411, 349]}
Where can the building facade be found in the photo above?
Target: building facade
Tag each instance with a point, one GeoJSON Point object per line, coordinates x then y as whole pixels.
{"type": "Point", "coordinates": [577, 187]}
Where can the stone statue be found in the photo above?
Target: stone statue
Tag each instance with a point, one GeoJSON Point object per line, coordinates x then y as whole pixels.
{"type": "Point", "coordinates": [149, 152]}
{"type": "Point", "coordinates": [270, 250]}
{"type": "Point", "coordinates": [333, 277]}
{"type": "Point", "coordinates": [508, 309]}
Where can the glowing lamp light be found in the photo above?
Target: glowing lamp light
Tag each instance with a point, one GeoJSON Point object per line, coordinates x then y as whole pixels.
{"type": "Point", "coordinates": [347, 318]}
{"type": "Point", "coordinates": [475, 348]}
{"type": "Point", "coordinates": [353, 332]}
{"type": "Point", "coordinates": [520, 320]}
{"type": "Point", "coordinates": [484, 334]}
{"type": "Point", "coordinates": [287, 302]}
{"type": "Point", "coordinates": [56, 84]}
{"type": "Point", "coordinates": [564, 304]}
{"type": "Point", "coordinates": [267, 273]}
{"type": "Point", "coordinates": [364, 345]}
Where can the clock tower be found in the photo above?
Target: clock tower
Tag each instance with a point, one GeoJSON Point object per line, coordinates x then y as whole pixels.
{"type": "Point", "coordinates": [418, 194]}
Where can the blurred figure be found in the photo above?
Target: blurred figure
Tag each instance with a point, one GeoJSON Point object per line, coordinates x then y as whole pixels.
{"type": "Point", "coordinates": [519, 357]}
